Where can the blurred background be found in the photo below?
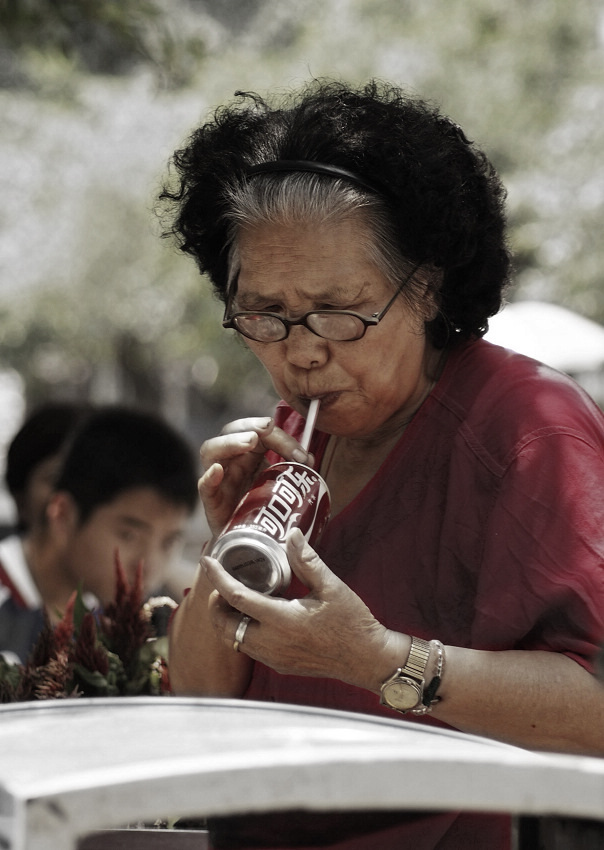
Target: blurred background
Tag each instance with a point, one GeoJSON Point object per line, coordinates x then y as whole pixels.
{"type": "Point", "coordinates": [96, 94]}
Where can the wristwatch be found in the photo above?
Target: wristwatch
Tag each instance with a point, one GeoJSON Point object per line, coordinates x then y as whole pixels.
{"type": "Point", "coordinates": [404, 690]}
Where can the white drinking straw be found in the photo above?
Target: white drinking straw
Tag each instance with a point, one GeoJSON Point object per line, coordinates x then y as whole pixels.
{"type": "Point", "coordinates": [311, 418]}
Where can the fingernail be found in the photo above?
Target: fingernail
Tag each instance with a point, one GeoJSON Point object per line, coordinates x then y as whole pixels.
{"type": "Point", "coordinates": [300, 455]}
{"type": "Point", "coordinates": [265, 423]}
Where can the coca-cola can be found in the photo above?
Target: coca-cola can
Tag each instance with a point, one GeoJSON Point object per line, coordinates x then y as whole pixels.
{"type": "Point", "coordinates": [251, 547]}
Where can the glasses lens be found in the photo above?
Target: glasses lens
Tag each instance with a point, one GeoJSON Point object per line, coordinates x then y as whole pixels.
{"type": "Point", "coordinates": [261, 328]}
{"type": "Point", "coordinates": [339, 327]}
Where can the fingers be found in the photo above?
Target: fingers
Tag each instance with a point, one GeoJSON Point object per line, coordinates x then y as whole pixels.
{"type": "Point", "coordinates": [224, 448]}
{"type": "Point", "coordinates": [231, 462]}
{"type": "Point", "coordinates": [306, 564]}
{"type": "Point", "coordinates": [233, 593]}
{"type": "Point", "coordinates": [211, 480]}
{"type": "Point", "coordinates": [311, 635]}
{"type": "Point", "coordinates": [230, 603]}
{"type": "Point", "coordinates": [219, 497]}
{"type": "Point", "coordinates": [250, 423]}
{"type": "Point", "coordinates": [229, 624]}
{"type": "Point", "coordinates": [251, 435]}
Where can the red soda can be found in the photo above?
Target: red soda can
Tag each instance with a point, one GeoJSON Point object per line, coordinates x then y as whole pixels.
{"type": "Point", "coordinates": [251, 547]}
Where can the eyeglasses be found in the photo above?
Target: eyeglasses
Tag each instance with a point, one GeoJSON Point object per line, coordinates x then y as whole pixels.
{"type": "Point", "coordinates": [335, 325]}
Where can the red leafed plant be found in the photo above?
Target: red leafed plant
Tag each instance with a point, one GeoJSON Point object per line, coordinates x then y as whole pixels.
{"type": "Point", "coordinates": [116, 652]}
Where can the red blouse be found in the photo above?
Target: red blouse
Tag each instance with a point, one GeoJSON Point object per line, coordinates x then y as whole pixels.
{"type": "Point", "coordinates": [484, 527]}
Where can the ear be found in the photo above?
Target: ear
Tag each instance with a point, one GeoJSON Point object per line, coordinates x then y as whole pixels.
{"type": "Point", "coordinates": [62, 514]}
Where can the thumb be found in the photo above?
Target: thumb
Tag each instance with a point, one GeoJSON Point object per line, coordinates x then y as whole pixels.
{"type": "Point", "coordinates": [305, 562]}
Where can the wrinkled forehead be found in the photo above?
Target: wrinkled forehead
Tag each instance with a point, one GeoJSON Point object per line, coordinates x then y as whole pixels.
{"type": "Point", "coordinates": [358, 246]}
{"type": "Point", "coordinates": [329, 258]}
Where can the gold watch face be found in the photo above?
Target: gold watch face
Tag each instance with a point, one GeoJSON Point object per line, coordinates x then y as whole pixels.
{"type": "Point", "coordinates": [402, 694]}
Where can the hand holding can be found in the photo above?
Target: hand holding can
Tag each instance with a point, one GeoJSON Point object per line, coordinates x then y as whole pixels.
{"type": "Point", "coordinates": [286, 495]}
{"type": "Point", "coordinates": [252, 546]}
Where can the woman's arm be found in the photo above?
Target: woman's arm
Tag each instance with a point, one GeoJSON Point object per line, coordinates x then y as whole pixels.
{"type": "Point", "coordinates": [201, 662]}
{"type": "Point", "coordinates": [539, 700]}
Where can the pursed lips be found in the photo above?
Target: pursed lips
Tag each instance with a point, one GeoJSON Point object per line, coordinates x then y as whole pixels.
{"type": "Point", "coordinates": [326, 398]}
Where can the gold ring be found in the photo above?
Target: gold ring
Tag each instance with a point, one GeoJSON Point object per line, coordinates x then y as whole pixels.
{"type": "Point", "coordinates": [240, 633]}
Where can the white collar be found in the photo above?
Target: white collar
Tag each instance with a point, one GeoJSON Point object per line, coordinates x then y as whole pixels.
{"type": "Point", "coordinates": [13, 561]}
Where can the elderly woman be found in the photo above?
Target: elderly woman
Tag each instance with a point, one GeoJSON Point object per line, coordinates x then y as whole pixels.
{"type": "Point", "coordinates": [357, 239]}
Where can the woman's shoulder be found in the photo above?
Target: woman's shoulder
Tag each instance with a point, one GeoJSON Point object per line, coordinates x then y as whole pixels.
{"type": "Point", "coordinates": [493, 389]}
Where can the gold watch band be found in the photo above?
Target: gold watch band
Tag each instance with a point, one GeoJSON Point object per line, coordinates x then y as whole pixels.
{"type": "Point", "coordinates": [418, 658]}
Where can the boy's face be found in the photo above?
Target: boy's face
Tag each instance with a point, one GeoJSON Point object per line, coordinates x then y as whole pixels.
{"type": "Point", "coordinates": [141, 525]}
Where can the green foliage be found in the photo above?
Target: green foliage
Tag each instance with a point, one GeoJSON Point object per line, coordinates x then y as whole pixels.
{"type": "Point", "coordinates": [113, 653]}
{"type": "Point", "coordinates": [525, 80]}
{"type": "Point", "coordinates": [94, 292]}
{"type": "Point", "coordinates": [96, 36]}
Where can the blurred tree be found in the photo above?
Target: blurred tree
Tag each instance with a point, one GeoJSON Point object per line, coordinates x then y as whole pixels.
{"type": "Point", "coordinates": [96, 36]}
{"type": "Point", "coordinates": [98, 305]}
{"type": "Point", "coordinates": [526, 79]}
{"type": "Point", "coordinates": [130, 328]}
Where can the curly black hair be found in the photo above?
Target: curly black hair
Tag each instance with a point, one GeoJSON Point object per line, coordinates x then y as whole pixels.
{"type": "Point", "coordinates": [445, 198]}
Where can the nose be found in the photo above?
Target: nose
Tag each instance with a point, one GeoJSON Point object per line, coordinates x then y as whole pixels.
{"type": "Point", "coordinates": [155, 567]}
{"type": "Point", "coordinates": [305, 349]}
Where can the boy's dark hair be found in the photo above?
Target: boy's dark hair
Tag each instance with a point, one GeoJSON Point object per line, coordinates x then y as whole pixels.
{"type": "Point", "coordinates": [43, 435]}
{"type": "Point", "coordinates": [118, 449]}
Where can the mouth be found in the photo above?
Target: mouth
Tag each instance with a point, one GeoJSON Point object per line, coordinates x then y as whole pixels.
{"type": "Point", "coordinates": [326, 399]}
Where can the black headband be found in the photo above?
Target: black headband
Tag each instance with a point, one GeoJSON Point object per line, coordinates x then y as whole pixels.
{"type": "Point", "coordinates": [293, 165]}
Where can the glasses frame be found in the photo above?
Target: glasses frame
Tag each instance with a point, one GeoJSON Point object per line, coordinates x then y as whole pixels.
{"type": "Point", "coordinates": [367, 321]}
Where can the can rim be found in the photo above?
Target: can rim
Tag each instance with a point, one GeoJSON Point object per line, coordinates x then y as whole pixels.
{"type": "Point", "coordinates": [271, 550]}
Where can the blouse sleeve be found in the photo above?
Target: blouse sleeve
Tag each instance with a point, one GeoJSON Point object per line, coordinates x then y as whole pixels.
{"type": "Point", "coordinates": [544, 551]}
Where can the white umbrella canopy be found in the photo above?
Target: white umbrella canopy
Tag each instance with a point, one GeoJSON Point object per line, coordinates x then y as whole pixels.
{"type": "Point", "coordinates": [549, 333]}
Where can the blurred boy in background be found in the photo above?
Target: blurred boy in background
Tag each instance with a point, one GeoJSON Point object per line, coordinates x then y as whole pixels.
{"type": "Point", "coordinates": [32, 463]}
{"type": "Point", "coordinates": [33, 458]}
{"type": "Point", "coordinates": [127, 482]}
